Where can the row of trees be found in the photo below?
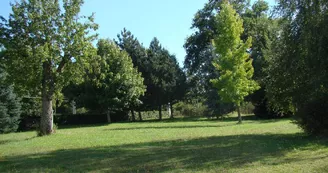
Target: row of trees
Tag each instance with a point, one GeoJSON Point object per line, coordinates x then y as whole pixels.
{"type": "Point", "coordinates": [287, 51]}
{"type": "Point", "coordinates": [238, 53]}
{"type": "Point", "coordinates": [46, 47]}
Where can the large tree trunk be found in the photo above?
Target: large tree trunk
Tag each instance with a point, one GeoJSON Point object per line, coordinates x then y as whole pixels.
{"type": "Point", "coordinates": [160, 112]}
{"type": "Point", "coordinates": [108, 116]}
{"type": "Point", "coordinates": [46, 124]}
{"type": "Point", "coordinates": [140, 116]}
{"type": "Point", "coordinates": [239, 115]}
{"type": "Point", "coordinates": [133, 116]}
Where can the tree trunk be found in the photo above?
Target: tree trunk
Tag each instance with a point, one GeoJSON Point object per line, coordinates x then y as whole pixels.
{"type": "Point", "coordinates": [133, 116]}
{"type": "Point", "coordinates": [171, 111]}
{"type": "Point", "coordinates": [46, 124]}
{"type": "Point", "coordinates": [140, 116]}
{"type": "Point", "coordinates": [239, 115]}
{"type": "Point", "coordinates": [108, 116]}
{"type": "Point", "coordinates": [160, 112]}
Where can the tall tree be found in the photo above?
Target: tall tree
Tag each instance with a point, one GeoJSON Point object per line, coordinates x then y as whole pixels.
{"type": "Point", "coordinates": [121, 85]}
{"type": "Point", "coordinates": [199, 49]}
{"type": "Point", "coordinates": [232, 61]}
{"type": "Point", "coordinates": [166, 77]}
{"type": "Point", "coordinates": [47, 46]}
{"type": "Point", "coordinates": [264, 30]}
{"type": "Point", "coordinates": [111, 83]}
{"type": "Point", "coordinates": [127, 42]}
{"type": "Point", "coordinates": [298, 80]}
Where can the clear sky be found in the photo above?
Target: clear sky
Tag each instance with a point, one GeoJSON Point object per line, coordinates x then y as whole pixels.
{"type": "Point", "coordinates": [168, 20]}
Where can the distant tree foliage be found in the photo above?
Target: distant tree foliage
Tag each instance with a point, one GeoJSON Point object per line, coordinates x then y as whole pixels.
{"type": "Point", "coordinates": [10, 106]}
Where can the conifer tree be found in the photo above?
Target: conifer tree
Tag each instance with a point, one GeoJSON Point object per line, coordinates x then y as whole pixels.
{"type": "Point", "coordinates": [10, 107]}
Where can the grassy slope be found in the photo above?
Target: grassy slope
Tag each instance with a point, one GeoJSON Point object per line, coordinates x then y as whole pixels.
{"type": "Point", "coordinates": [179, 146]}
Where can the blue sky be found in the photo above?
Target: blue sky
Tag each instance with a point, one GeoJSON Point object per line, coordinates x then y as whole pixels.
{"type": "Point", "coordinates": [168, 20]}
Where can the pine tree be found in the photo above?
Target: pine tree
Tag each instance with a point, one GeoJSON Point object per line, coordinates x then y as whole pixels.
{"type": "Point", "coordinates": [10, 107]}
{"type": "Point", "coordinates": [232, 61]}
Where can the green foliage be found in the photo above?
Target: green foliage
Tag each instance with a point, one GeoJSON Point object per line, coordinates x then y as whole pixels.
{"type": "Point", "coordinates": [111, 83]}
{"type": "Point", "coordinates": [232, 62]}
{"type": "Point", "coordinates": [200, 54]}
{"type": "Point", "coordinates": [190, 109]}
{"type": "Point", "coordinates": [43, 32]}
{"type": "Point", "coordinates": [47, 47]}
{"type": "Point", "coordinates": [167, 80]}
{"type": "Point", "coordinates": [312, 117]}
{"type": "Point", "coordinates": [10, 106]}
{"type": "Point", "coordinates": [137, 52]}
{"type": "Point", "coordinates": [299, 68]}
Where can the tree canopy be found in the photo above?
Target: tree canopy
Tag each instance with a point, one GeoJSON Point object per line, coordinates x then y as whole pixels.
{"type": "Point", "coordinates": [53, 43]}
{"type": "Point", "coordinates": [232, 62]}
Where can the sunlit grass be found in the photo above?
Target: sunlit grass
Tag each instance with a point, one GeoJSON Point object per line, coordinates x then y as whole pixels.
{"type": "Point", "coordinates": [182, 145]}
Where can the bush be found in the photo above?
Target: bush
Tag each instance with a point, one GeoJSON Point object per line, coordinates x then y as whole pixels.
{"type": "Point", "coordinates": [81, 119]}
{"type": "Point", "coordinates": [189, 109]}
{"type": "Point", "coordinates": [247, 108]}
{"type": "Point", "coordinates": [313, 116]}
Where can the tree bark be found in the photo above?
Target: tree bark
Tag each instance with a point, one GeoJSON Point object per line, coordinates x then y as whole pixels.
{"type": "Point", "coordinates": [239, 115]}
{"type": "Point", "coordinates": [108, 116]}
{"type": "Point", "coordinates": [140, 116]}
{"type": "Point", "coordinates": [133, 116]}
{"type": "Point", "coordinates": [46, 124]}
{"type": "Point", "coordinates": [171, 111]}
{"type": "Point", "coordinates": [160, 112]}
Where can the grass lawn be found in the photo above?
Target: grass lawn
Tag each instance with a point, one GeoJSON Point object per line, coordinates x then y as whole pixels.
{"type": "Point", "coordinates": [182, 145]}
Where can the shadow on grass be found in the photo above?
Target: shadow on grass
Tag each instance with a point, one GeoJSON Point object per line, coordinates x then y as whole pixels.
{"type": "Point", "coordinates": [254, 118]}
{"type": "Point", "coordinates": [3, 142]}
{"type": "Point", "coordinates": [224, 119]}
{"type": "Point", "coordinates": [217, 153]}
{"type": "Point", "coordinates": [170, 127]}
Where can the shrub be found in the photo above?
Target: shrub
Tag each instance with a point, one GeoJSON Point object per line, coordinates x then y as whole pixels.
{"type": "Point", "coordinates": [247, 108]}
{"type": "Point", "coordinates": [312, 117]}
{"type": "Point", "coordinates": [190, 109]}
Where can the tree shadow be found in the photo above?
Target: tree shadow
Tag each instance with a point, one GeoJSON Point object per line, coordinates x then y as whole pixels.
{"type": "Point", "coordinates": [171, 127]}
{"type": "Point", "coordinates": [160, 156]}
{"type": "Point", "coordinates": [3, 142]}
{"type": "Point", "coordinates": [254, 118]}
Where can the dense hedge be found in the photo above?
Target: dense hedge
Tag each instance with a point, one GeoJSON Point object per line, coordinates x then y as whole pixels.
{"type": "Point", "coordinates": [313, 116]}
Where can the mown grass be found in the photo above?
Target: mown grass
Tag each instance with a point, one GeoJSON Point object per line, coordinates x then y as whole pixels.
{"type": "Point", "coordinates": [181, 145]}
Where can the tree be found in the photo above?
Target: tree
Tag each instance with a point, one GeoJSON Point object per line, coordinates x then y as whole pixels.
{"type": "Point", "coordinates": [127, 42]}
{"type": "Point", "coordinates": [10, 107]}
{"type": "Point", "coordinates": [165, 76]}
{"type": "Point", "coordinates": [112, 83]}
{"type": "Point", "coordinates": [298, 69]}
{"type": "Point", "coordinates": [199, 49]}
{"type": "Point", "coordinates": [264, 31]}
{"type": "Point", "coordinates": [232, 62]}
{"type": "Point", "coordinates": [47, 47]}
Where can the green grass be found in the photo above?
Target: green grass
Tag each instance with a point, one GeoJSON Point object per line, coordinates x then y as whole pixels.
{"type": "Point", "coordinates": [182, 145]}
